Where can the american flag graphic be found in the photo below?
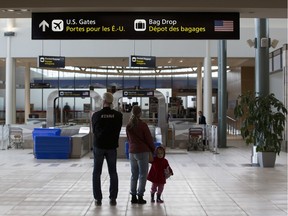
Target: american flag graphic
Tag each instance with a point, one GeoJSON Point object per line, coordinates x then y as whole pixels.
{"type": "Point", "coordinates": [224, 25]}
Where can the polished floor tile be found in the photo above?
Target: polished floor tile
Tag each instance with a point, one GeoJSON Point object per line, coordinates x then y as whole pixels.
{"type": "Point", "coordinates": [204, 184]}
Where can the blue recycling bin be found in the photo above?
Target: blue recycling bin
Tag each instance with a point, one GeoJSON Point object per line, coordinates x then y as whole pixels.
{"type": "Point", "coordinates": [52, 147]}
{"type": "Point", "coordinates": [46, 132]}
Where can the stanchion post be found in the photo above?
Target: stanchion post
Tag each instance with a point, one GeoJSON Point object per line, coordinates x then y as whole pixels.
{"type": "Point", "coordinates": [215, 140]}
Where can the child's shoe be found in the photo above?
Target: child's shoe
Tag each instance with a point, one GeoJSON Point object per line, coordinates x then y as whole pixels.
{"type": "Point", "coordinates": [159, 199]}
{"type": "Point", "coordinates": [152, 197]}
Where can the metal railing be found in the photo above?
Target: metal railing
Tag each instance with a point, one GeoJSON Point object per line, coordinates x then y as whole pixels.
{"type": "Point", "coordinates": [182, 127]}
{"type": "Point", "coordinates": [232, 128]}
{"type": "Point", "coordinates": [212, 138]}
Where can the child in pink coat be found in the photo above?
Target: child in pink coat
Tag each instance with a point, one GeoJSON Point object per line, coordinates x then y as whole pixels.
{"type": "Point", "coordinates": [158, 173]}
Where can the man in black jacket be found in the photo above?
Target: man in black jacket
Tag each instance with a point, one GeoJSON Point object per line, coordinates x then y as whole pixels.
{"type": "Point", "coordinates": [202, 119]}
{"type": "Point", "coordinates": [106, 126]}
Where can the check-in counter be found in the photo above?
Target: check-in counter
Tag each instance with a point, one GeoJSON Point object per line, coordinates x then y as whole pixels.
{"type": "Point", "coordinates": [122, 140]}
{"type": "Point", "coordinates": [80, 145]}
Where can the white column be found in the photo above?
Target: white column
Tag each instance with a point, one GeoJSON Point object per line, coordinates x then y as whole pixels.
{"type": "Point", "coordinates": [27, 91]}
{"type": "Point", "coordinates": [10, 91]}
{"type": "Point", "coordinates": [207, 88]}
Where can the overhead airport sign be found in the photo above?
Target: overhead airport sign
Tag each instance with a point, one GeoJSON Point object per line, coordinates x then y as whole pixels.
{"type": "Point", "coordinates": [51, 61]}
{"type": "Point", "coordinates": [74, 93]}
{"type": "Point", "coordinates": [135, 25]}
{"type": "Point", "coordinates": [40, 85]}
{"type": "Point", "coordinates": [143, 61]}
{"type": "Point", "coordinates": [138, 93]}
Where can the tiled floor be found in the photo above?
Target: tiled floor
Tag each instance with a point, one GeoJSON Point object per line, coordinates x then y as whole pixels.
{"type": "Point", "coordinates": [204, 184]}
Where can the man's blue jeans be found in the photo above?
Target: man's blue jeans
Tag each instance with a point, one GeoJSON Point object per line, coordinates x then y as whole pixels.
{"type": "Point", "coordinates": [111, 158]}
{"type": "Point", "coordinates": [139, 168]}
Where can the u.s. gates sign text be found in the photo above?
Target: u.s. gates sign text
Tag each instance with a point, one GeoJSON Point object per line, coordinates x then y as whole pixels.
{"type": "Point", "coordinates": [135, 25]}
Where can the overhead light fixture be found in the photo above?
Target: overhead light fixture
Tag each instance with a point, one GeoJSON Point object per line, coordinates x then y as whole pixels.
{"type": "Point", "coordinates": [16, 10]}
{"type": "Point", "coordinates": [251, 43]}
{"type": "Point", "coordinates": [264, 42]}
{"type": "Point", "coordinates": [9, 33]}
{"type": "Point", "coordinates": [274, 43]}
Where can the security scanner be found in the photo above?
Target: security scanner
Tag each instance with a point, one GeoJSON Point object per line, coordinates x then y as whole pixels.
{"type": "Point", "coordinates": [156, 119]}
{"type": "Point", "coordinates": [155, 132]}
{"type": "Point", "coordinates": [74, 140]}
{"type": "Point", "coordinates": [51, 107]}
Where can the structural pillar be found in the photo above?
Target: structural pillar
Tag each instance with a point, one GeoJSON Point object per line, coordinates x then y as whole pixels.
{"type": "Point", "coordinates": [222, 94]}
{"type": "Point", "coordinates": [27, 92]}
{"type": "Point", "coordinates": [262, 44]}
{"type": "Point", "coordinates": [207, 90]}
{"type": "Point", "coordinates": [199, 96]}
{"type": "Point", "coordinates": [10, 91]}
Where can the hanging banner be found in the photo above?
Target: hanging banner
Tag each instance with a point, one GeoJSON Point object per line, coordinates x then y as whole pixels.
{"type": "Point", "coordinates": [135, 25]}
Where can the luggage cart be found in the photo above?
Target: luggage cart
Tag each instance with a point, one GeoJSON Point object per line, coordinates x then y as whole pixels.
{"type": "Point", "coordinates": [195, 141]}
{"type": "Point", "coordinates": [15, 137]}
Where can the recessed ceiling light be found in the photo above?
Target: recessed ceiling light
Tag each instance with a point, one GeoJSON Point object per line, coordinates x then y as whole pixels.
{"type": "Point", "coordinates": [16, 10]}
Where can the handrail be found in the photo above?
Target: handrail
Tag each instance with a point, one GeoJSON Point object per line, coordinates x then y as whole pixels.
{"type": "Point", "coordinates": [231, 125]}
{"type": "Point", "coordinates": [228, 117]}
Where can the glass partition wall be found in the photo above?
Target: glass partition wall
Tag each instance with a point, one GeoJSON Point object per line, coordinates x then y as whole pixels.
{"type": "Point", "coordinates": [172, 80]}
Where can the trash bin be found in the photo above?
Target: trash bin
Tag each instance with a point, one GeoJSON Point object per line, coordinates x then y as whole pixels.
{"type": "Point", "coordinates": [46, 132]}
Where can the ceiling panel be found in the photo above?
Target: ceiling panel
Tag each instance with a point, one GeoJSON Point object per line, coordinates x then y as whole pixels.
{"type": "Point", "coordinates": [246, 8]}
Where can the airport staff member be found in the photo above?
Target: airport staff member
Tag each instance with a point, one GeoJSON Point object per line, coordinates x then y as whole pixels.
{"type": "Point", "coordinates": [202, 119]}
{"type": "Point", "coordinates": [106, 125]}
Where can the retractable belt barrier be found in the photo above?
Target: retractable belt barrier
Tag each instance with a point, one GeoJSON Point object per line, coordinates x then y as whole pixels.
{"type": "Point", "coordinates": [211, 137]}
{"type": "Point", "coordinates": [4, 134]}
